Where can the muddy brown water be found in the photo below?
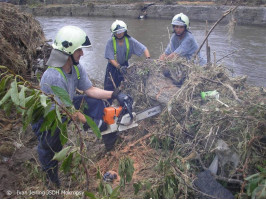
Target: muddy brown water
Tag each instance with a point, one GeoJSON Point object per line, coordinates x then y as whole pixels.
{"type": "Point", "coordinates": [247, 42]}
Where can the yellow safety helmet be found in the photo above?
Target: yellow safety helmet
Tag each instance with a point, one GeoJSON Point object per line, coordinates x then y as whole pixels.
{"type": "Point", "coordinates": [71, 38]}
{"type": "Point", "coordinates": [118, 27]}
{"type": "Point", "coordinates": [181, 20]}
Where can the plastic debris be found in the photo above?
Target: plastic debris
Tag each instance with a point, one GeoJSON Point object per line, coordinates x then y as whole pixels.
{"type": "Point", "coordinates": [109, 177]}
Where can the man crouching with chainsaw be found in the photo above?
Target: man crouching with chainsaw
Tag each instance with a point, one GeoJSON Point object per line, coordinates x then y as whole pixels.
{"type": "Point", "coordinates": [65, 72]}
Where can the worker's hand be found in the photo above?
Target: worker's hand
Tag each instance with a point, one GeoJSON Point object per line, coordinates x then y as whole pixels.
{"type": "Point", "coordinates": [117, 94]}
{"type": "Point", "coordinates": [123, 70]}
{"type": "Point", "coordinates": [79, 117]}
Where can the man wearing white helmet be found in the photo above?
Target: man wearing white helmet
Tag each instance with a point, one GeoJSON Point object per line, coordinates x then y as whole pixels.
{"type": "Point", "coordinates": [182, 42]}
{"type": "Point", "coordinates": [65, 72]}
{"type": "Point", "coordinates": [118, 51]}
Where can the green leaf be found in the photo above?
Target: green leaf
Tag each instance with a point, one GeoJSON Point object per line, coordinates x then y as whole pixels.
{"type": "Point", "coordinates": [109, 189]}
{"type": "Point", "coordinates": [5, 98]}
{"type": "Point", "coordinates": [54, 126]}
{"type": "Point", "coordinates": [61, 155]}
{"type": "Point", "coordinates": [93, 126]}
{"type": "Point", "coordinates": [43, 99]}
{"type": "Point", "coordinates": [58, 113]}
{"type": "Point", "coordinates": [14, 92]}
{"type": "Point", "coordinates": [259, 192]}
{"type": "Point", "coordinates": [63, 133]}
{"type": "Point", "coordinates": [66, 165]}
{"type": "Point", "coordinates": [98, 173]}
{"type": "Point", "coordinates": [77, 160]}
{"type": "Point", "coordinates": [3, 82]}
{"type": "Point", "coordinates": [2, 67]}
{"type": "Point", "coordinates": [48, 121]}
{"type": "Point", "coordinates": [62, 94]}
{"type": "Point", "coordinates": [21, 95]}
{"type": "Point", "coordinates": [137, 187]}
{"type": "Point", "coordinates": [90, 195]}
{"type": "Point", "coordinates": [47, 109]}
{"type": "Point", "coordinates": [252, 176]}
{"type": "Point", "coordinates": [115, 193]}
{"type": "Point", "coordinates": [28, 118]}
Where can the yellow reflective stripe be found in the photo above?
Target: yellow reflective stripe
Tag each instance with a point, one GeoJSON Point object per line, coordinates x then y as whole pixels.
{"type": "Point", "coordinates": [115, 49]}
{"type": "Point", "coordinates": [115, 52]}
{"type": "Point", "coordinates": [77, 71]}
{"type": "Point", "coordinates": [127, 44]}
{"type": "Point", "coordinates": [62, 73]}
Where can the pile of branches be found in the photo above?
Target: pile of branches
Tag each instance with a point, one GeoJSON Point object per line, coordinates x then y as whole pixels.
{"type": "Point", "coordinates": [195, 125]}
{"type": "Point", "coordinates": [20, 37]}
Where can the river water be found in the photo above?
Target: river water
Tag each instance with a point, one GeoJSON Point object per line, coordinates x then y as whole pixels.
{"type": "Point", "coordinates": [247, 42]}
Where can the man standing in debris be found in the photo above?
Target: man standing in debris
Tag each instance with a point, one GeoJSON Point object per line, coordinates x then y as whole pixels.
{"type": "Point", "coordinates": [64, 71]}
{"type": "Point", "coordinates": [182, 42]}
{"type": "Point", "coordinates": [118, 51]}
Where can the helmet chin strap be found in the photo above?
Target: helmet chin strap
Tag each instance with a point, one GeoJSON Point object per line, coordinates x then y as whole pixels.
{"type": "Point", "coordinates": [73, 60]}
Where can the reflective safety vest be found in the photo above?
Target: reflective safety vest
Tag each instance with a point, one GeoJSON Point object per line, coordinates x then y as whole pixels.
{"type": "Point", "coordinates": [115, 50]}
{"type": "Point", "coordinates": [59, 69]}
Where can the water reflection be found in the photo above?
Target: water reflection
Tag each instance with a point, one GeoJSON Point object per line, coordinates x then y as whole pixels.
{"type": "Point", "coordinates": [248, 42]}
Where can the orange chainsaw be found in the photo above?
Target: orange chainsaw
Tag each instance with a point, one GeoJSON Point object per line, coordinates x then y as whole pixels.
{"type": "Point", "coordinates": [122, 118]}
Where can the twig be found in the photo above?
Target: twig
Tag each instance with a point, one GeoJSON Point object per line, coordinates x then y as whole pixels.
{"type": "Point", "coordinates": [232, 52]}
{"type": "Point", "coordinates": [112, 80]}
{"type": "Point", "coordinates": [216, 23]}
{"type": "Point", "coordinates": [232, 90]}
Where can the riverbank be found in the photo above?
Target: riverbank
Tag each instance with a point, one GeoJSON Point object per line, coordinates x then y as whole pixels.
{"type": "Point", "coordinates": [243, 15]}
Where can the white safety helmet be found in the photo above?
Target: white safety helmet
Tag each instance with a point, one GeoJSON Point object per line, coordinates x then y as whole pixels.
{"type": "Point", "coordinates": [118, 27]}
{"type": "Point", "coordinates": [181, 20]}
{"type": "Point", "coordinates": [71, 38]}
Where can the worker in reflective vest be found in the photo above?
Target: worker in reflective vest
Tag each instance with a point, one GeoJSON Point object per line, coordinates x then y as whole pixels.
{"type": "Point", "coordinates": [67, 73]}
{"type": "Point", "coordinates": [118, 51]}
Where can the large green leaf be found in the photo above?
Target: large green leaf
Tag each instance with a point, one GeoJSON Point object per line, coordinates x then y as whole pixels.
{"type": "Point", "coordinates": [14, 92]}
{"type": "Point", "coordinates": [109, 189]}
{"type": "Point", "coordinates": [61, 155]}
{"type": "Point", "coordinates": [93, 126]}
{"type": "Point", "coordinates": [6, 97]}
{"type": "Point", "coordinates": [66, 165]}
{"type": "Point", "coordinates": [48, 121]}
{"type": "Point", "coordinates": [62, 94]}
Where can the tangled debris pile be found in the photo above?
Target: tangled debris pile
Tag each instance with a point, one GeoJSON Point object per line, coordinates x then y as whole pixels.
{"type": "Point", "coordinates": [228, 130]}
{"type": "Point", "coordinates": [21, 37]}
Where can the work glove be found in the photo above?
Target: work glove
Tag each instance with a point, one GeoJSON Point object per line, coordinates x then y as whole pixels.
{"type": "Point", "coordinates": [123, 70]}
{"type": "Point", "coordinates": [121, 97]}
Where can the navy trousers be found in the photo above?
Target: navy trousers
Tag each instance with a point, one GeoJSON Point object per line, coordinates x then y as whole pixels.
{"type": "Point", "coordinates": [48, 144]}
{"type": "Point", "coordinates": [116, 75]}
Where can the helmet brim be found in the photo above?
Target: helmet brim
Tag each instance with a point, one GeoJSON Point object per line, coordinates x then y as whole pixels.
{"type": "Point", "coordinates": [120, 31]}
{"type": "Point", "coordinates": [178, 23]}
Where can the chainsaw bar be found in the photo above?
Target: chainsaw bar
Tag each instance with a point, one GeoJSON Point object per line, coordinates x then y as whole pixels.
{"type": "Point", "coordinates": [126, 123]}
{"type": "Point", "coordinates": [148, 113]}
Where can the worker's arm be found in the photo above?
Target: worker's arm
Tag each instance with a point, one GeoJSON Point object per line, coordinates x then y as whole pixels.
{"type": "Point", "coordinates": [147, 53]}
{"type": "Point", "coordinates": [98, 93]}
{"type": "Point", "coordinates": [115, 63]}
{"type": "Point", "coordinates": [172, 56]}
